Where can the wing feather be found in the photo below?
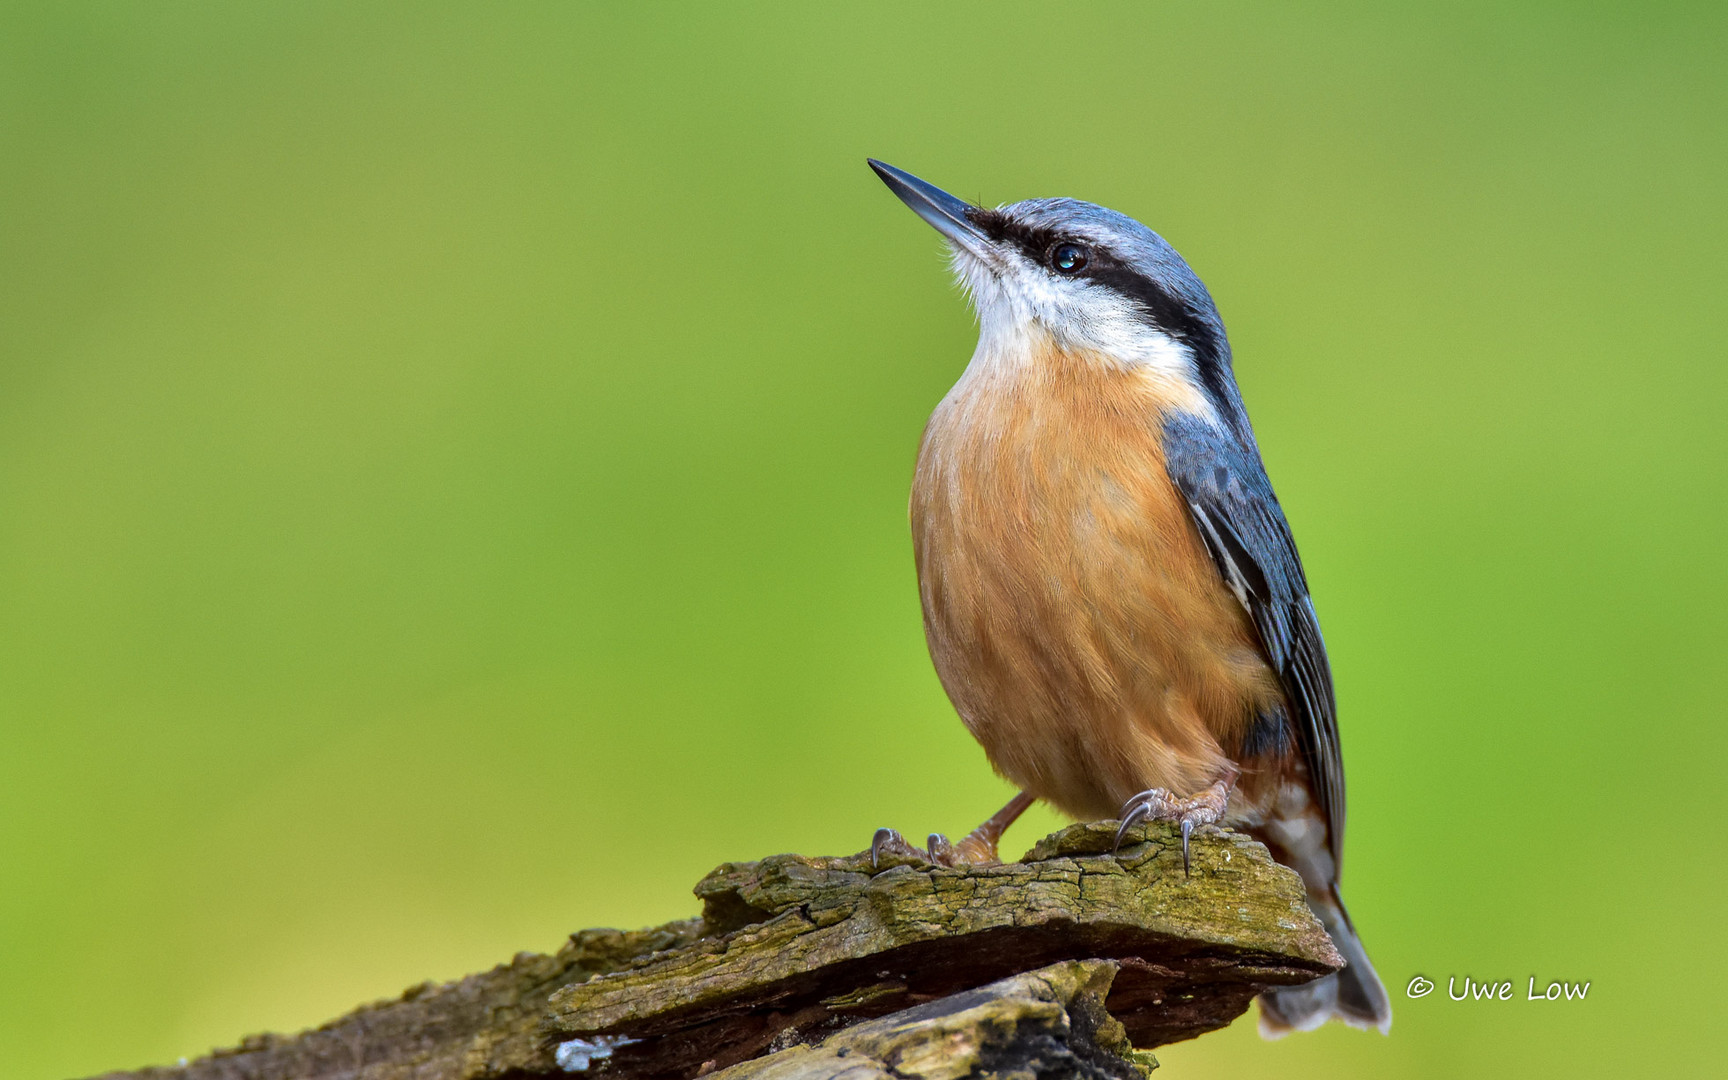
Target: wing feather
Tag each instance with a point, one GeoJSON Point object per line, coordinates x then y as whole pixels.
{"type": "Point", "coordinates": [1243, 527]}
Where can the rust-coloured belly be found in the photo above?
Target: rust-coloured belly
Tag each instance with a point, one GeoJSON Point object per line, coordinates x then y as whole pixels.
{"type": "Point", "coordinates": [1073, 614]}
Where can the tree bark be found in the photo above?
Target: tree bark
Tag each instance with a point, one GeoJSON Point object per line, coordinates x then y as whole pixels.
{"type": "Point", "coordinates": [1074, 953]}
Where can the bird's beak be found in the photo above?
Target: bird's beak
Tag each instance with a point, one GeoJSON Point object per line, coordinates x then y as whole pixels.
{"type": "Point", "coordinates": [949, 216]}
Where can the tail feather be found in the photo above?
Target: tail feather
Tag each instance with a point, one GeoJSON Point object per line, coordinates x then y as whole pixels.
{"type": "Point", "coordinates": [1354, 995]}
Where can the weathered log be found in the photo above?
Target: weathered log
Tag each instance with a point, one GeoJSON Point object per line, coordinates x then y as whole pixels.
{"type": "Point", "coordinates": [790, 951]}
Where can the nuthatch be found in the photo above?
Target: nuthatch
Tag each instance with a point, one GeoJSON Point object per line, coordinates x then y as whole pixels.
{"type": "Point", "coordinates": [1111, 594]}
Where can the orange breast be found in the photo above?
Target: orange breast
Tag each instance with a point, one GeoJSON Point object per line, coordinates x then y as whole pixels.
{"type": "Point", "coordinates": [1073, 613]}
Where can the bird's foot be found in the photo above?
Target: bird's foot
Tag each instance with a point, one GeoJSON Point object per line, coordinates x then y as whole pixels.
{"type": "Point", "coordinates": [976, 848]}
{"type": "Point", "coordinates": [1158, 804]}
{"type": "Point", "coordinates": [889, 846]}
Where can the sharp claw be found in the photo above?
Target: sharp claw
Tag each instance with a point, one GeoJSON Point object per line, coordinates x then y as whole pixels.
{"type": "Point", "coordinates": [941, 851]}
{"type": "Point", "coordinates": [1133, 814]}
{"type": "Point", "coordinates": [882, 839]}
{"type": "Point", "coordinates": [1187, 831]}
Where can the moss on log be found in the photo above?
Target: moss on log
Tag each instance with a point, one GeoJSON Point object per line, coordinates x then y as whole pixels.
{"type": "Point", "coordinates": [793, 951]}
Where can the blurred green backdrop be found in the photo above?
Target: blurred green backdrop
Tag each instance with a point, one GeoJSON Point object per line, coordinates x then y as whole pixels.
{"type": "Point", "coordinates": [453, 463]}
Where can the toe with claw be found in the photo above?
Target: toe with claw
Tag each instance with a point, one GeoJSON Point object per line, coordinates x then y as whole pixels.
{"type": "Point", "coordinates": [889, 846]}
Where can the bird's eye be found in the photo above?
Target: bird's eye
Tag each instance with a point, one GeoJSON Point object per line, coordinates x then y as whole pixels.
{"type": "Point", "coordinates": [1068, 258]}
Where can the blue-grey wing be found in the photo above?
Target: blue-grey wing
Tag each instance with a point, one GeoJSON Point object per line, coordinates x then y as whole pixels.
{"type": "Point", "coordinates": [1244, 529]}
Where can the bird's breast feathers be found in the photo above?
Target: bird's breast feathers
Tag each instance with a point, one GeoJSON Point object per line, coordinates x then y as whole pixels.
{"type": "Point", "coordinates": [1069, 600]}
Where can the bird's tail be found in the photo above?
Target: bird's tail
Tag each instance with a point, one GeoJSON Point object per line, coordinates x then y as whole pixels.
{"type": "Point", "coordinates": [1353, 995]}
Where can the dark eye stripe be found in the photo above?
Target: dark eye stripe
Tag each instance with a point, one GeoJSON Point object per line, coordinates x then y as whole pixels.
{"type": "Point", "coordinates": [1032, 242]}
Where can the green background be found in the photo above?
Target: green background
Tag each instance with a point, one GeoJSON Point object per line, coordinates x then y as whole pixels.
{"type": "Point", "coordinates": [453, 465]}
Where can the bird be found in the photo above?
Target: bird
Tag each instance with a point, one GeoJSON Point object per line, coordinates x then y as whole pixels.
{"type": "Point", "coordinates": [1111, 593]}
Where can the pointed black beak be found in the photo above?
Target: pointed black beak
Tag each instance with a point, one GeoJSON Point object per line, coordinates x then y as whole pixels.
{"type": "Point", "coordinates": [949, 216]}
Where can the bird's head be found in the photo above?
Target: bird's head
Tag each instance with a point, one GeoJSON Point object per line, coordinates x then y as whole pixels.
{"type": "Point", "coordinates": [1091, 281]}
